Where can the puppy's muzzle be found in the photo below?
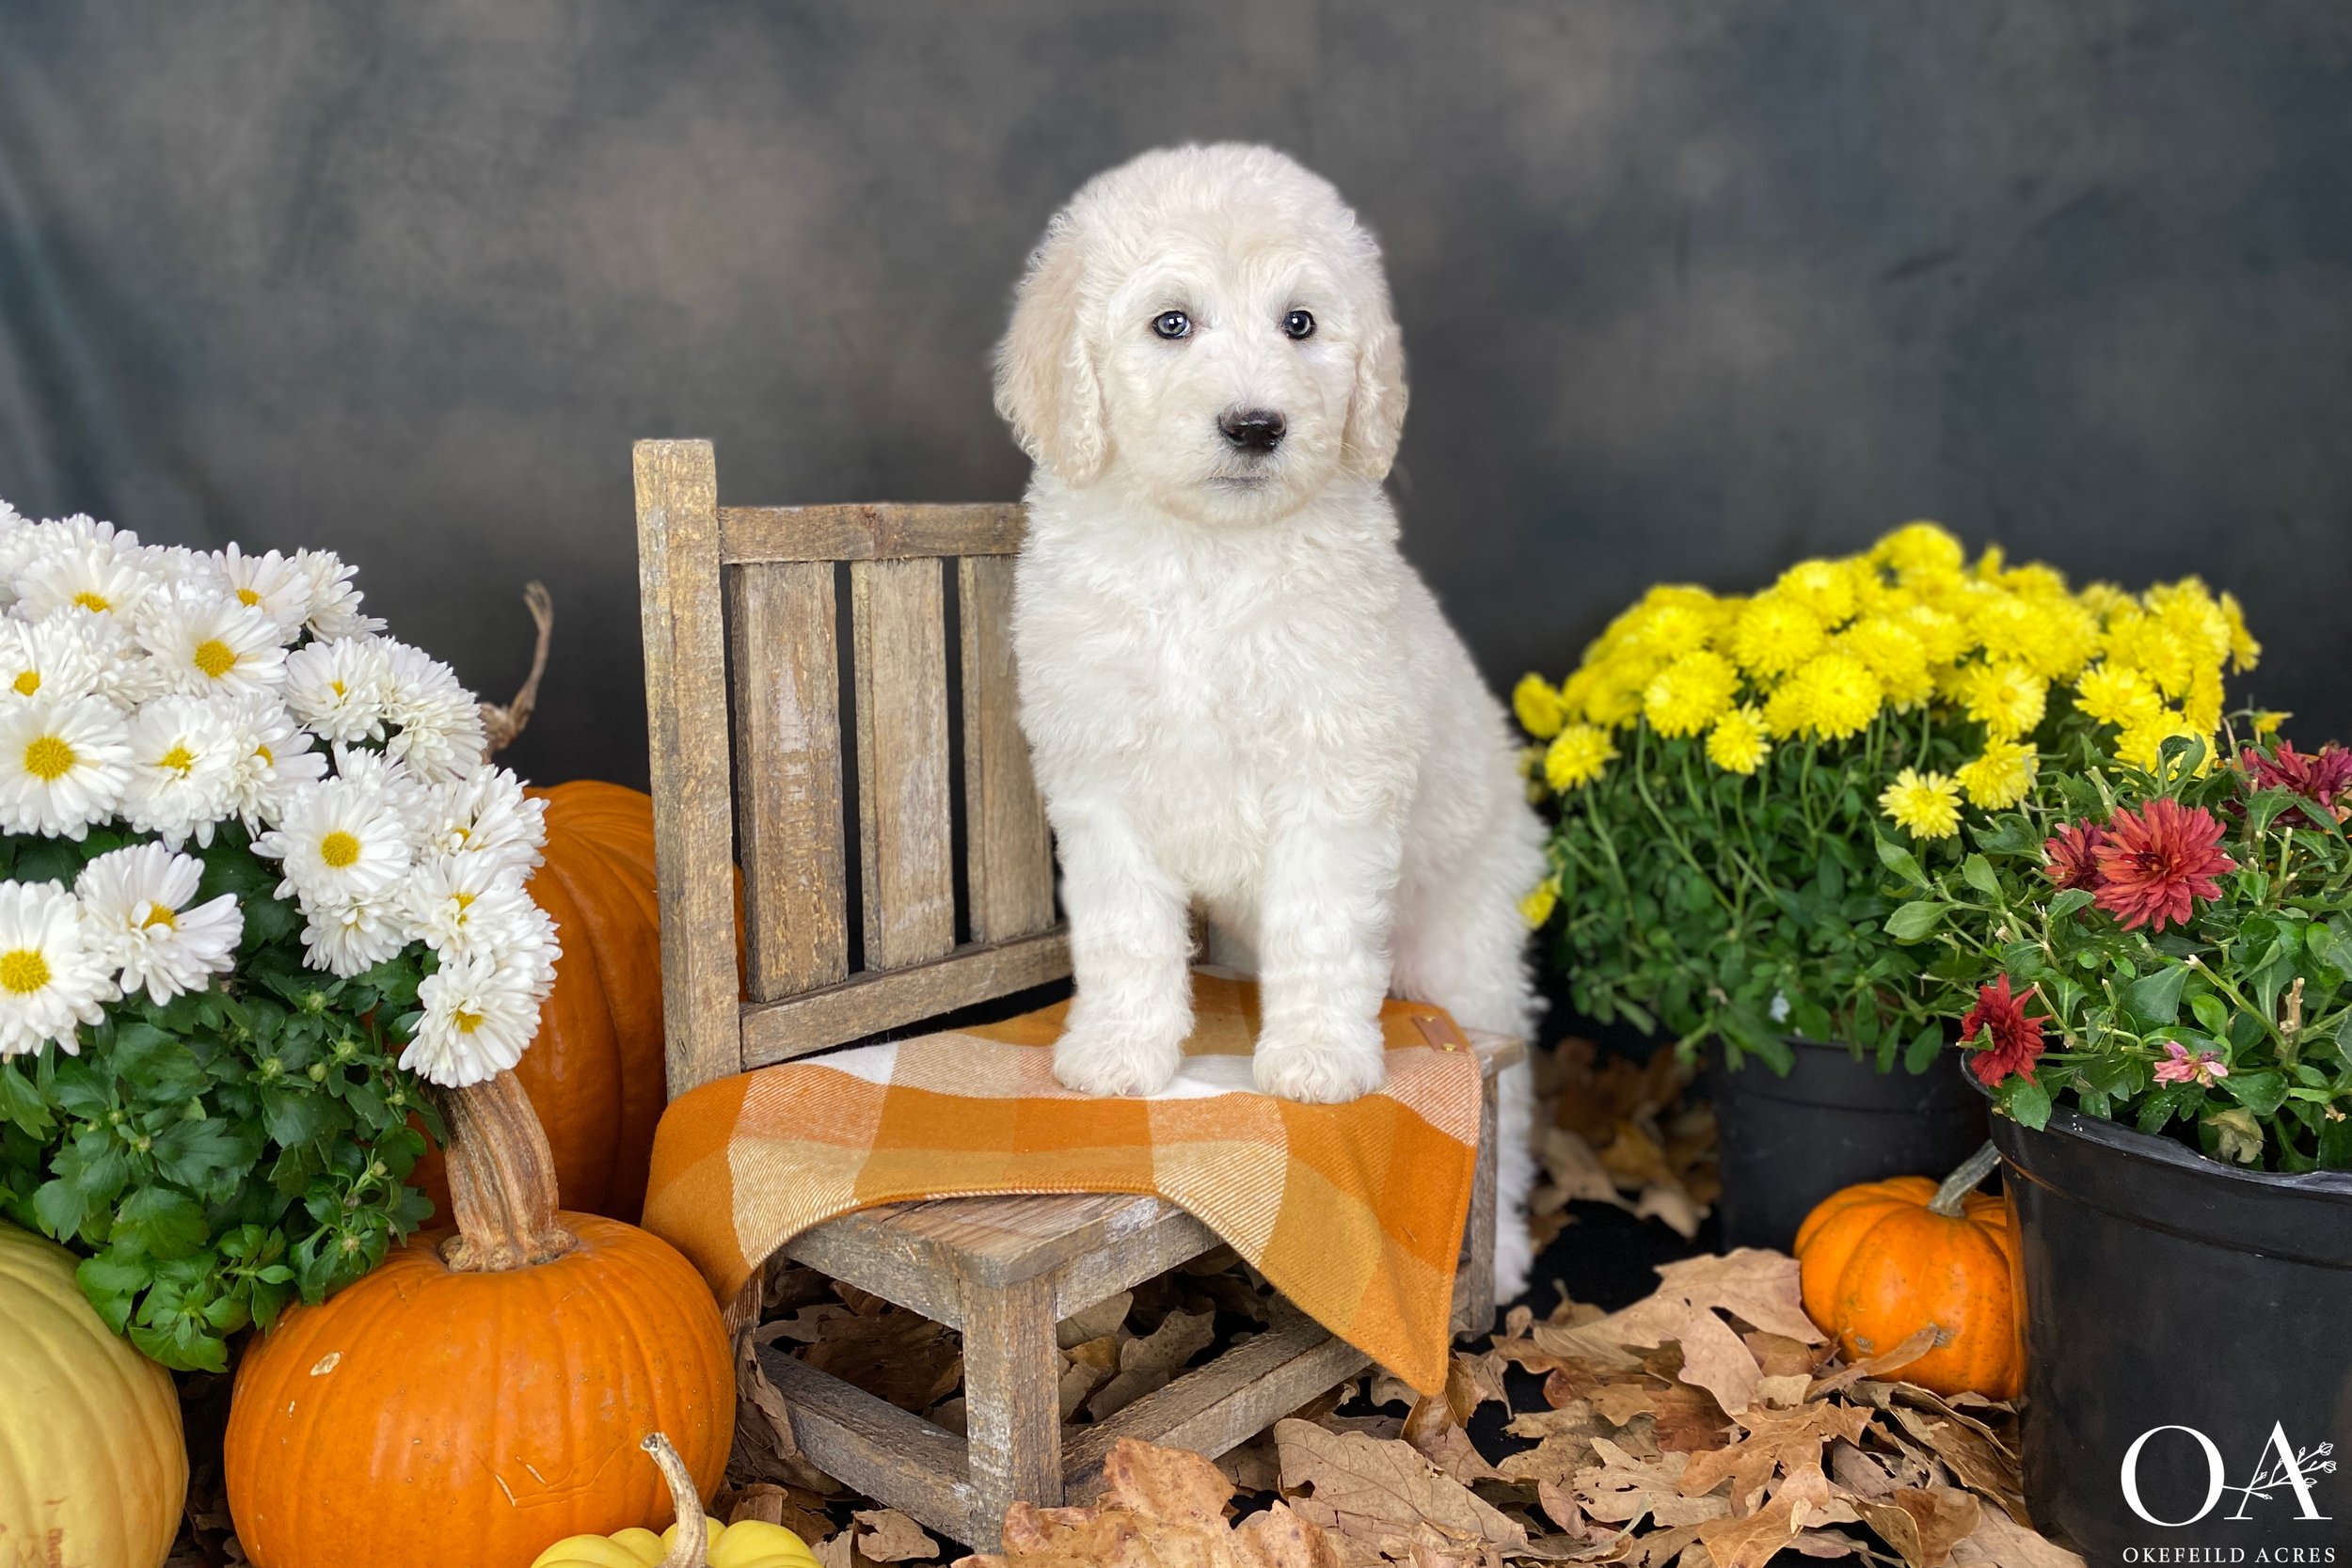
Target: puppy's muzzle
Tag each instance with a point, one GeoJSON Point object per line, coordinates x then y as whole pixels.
{"type": "Point", "coordinates": [1256, 431]}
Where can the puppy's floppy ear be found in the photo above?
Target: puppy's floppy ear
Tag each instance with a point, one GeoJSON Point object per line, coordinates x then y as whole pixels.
{"type": "Point", "coordinates": [1046, 387]}
{"type": "Point", "coordinates": [1375, 408]}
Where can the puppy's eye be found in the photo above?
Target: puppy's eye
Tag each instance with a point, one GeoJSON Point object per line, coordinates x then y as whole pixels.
{"type": "Point", "coordinates": [1172, 325]}
{"type": "Point", "coordinates": [1298, 323]}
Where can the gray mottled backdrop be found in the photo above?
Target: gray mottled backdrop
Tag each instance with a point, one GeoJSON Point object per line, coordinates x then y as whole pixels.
{"type": "Point", "coordinates": [1690, 288]}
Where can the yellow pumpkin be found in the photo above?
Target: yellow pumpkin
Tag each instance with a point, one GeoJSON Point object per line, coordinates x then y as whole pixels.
{"type": "Point", "coordinates": [748, 1543]}
{"type": "Point", "coordinates": [92, 1467]}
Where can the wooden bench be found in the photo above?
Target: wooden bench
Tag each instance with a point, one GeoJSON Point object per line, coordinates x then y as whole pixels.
{"type": "Point", "coordinates": [761, 624]}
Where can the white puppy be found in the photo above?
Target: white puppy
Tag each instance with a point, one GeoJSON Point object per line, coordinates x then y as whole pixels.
{"type": "Point", "coordinates": [1239, 696]}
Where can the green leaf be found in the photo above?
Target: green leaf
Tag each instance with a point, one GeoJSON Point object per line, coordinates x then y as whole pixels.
{"type": "Point", "coordinates": [2155, 999]}
{"type": "Point", "coordinates": [2261, 1092]}
{"type": "Point", "coordinates": [1912, 920]}
{"type": "Point", "coordinates": [1901, 861]}
{"type": "Point", "coordinates": [1925, 1047]}
{"type": "Point", "coordinates": [2210, 1012]}
{"type": "Point", "coordinates": [160, 1223]}
{"type": "Point", "coordinates": [1977, 873]}
{"type": "Point", "coordinates": [2068, 901]}
{"type": "Point", "coordinates": [2026, 1101]}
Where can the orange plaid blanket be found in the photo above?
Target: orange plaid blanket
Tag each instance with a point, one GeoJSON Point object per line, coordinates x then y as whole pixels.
{"type": "Point", "coordinates": [1353, 1211]}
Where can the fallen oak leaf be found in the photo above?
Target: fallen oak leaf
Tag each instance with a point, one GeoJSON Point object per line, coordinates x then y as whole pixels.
{"type": "Point", "coordinates": [1093, 1322]}
{"type": "Point", "coordinates": [1923, 1523]}
{"type": "Point", "coordinates": [1623, 1490]}
{"type": "Point", "coordinates": [2001, 1541]}
{"type": "Point", "coordinates": [1158, 1506]}
{"type": "Point", "coordinates": [1758, 1287]}
{"type": "Point", "coordinates": [1893, 1359]}
{"type": "Point", "coordinates": [1976, 1460]}
{"type": "Point", "coordinates": [1384, 1494]}
{"type": "Point", "coordinates": [889, 1536]}
{"type": "Point", "coordinates": [1684, 1418]}
{"type": "Point", "coordinates": [1775, 1441]}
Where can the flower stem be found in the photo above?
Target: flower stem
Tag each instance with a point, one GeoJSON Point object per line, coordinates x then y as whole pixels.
{"type": "Point", "coordinates": [502, 1180]}
{"type": "Point", "coordinates": [1953, 1194]}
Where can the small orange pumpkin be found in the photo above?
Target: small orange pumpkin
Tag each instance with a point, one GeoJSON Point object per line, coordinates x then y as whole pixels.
{"type": "Point", "coordinates": [1883, 1259]}
{"type": "Point", "coordinates": [481, 1393]}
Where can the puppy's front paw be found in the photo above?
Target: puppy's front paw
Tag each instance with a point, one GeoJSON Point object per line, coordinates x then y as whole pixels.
{"type": "Point", "coordinates": [1097, 1060]}
{"type": "Point", "coordinates": [1320, 1070]}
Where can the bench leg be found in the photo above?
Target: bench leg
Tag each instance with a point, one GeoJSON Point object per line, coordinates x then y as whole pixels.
{"type": "Point", "coordinates": [1474, 1282]}
{"type": "Point", "coordinates": [1012, 1400]}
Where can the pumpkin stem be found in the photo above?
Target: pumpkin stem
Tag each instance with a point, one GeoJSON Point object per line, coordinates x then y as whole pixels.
{"type": "Point", "coordinates": [502, 721]}
{"type": "Point", "coordinates": [502, 1180]}
{"type": "Point", "coordinates": [691, 1547]}
{"type": "Point", "coordinates": [1957, 1186]}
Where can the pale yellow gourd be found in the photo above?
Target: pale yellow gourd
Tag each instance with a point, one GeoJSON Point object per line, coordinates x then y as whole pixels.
{"type": "Point", "coordinates": [748, 1543]}
{"type": "Point", "coordinates": [92, 1467]}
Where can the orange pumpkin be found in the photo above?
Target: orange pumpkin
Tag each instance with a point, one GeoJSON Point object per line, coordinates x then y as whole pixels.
{"type": "Point", "coordinates": [483, 1393]}
{"type": "Point", "coordinates": [594, 1071]}
{"type": "Point", "coordinates": [1881, 1260]}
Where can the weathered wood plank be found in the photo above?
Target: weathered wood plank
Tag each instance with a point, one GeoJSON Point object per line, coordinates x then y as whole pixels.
{"type": "Point", "coordinates": [869, 1004]}
{"type": "Point", "coordinates": [1011, 1392]}
{"type": "Point", "coordinates": [1011, 853]}
{"type": "Point", "coordinates": [788, 724]}
{"type": "Point", "coordinates": [880, 530]}
{"type": "Point", "coordinates": [901, 652]}
{"type": "Point", "coordinates": [686, 703]}
{"type": "Point", "coordinates": [916, 1254]}
{"type": "Point", "coordinates": [876, 1449]}
{"type": "Point", "coordinates": [1213, 1408]}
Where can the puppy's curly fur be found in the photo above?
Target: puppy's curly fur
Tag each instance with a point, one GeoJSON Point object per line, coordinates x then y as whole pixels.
{"type": "Point", "coordinates": [1239, 696]}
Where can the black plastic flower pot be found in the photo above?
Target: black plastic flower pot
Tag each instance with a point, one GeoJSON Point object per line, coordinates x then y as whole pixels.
{"type": "Point", "coordinates": [1788, 1143]}
{"type": "Point", "coordinates": [2188, 1384]}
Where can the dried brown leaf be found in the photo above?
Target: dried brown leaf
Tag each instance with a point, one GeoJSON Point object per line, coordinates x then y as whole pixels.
{"type": "Point", "coordinates": [1094, 1322]}
{"type": "Point", "coordinates": [1448, 1448]}
{"type": "Point", "coordinates": [1160, 1508]}
{"type": "Point", "coordinates": [1894, 1358]}
{"type": "Point", "coordinates": [888, 1535]}
{"type": "Point", "coordinates": [894, 1354]}
{"type": "Point", "coordinates": [2001, 1541]}
{"type": "Point", "coordinates": [1180, 1337]}
{"type": "Point", "coordinates": [1122, 1391]}
{"type": "Point", "coordinates": [1778, 1355]}
{"type": "Point", "coordinates": [1624, 1490]}
{"type": "Point", "coordinates": [1923, 1523]}
{"type": "Point", "coordinates": [1385, 1494]}
{"type": "Point", "coordinates": [1686, 1420]}
{"type": "Point", "coordinates": [1776, 1441]}
{"type": "Point", "coordinates": [797, 1511]}
{"type": "Point", "coordinates": [1975, 1459]}
{"type": "Point", "coordinates": [1471, 1381]}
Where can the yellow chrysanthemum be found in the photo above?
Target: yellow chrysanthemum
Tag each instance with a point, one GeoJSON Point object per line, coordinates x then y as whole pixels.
{"type": "Point", "coordinates": [2142, 744]}
{"type": "Point", "coordinates": [2058, 639]}
{"type": "Point", "coordinates": [1917, 550]}
{"type": "Point", "coordinates": [2245, 653]}
{"type": "Point", "coordinates": [1926, 805]}
{"type": "Point", "coordinates": [1774, 634]}
{"type": "Point", "coordinates": [1840, 695]}
{"type": "Point", "coordinates": [1788, 710]}
{"type": "Point", "coordinates": [1738, 743]}
{"type": "Point", "coordinates": [1823, 586]}
{"type": "Point", "coordinates": [2137, 640]}
{"type": "Point", "coordinates": [1608, 692]}
{"type": "Point", "coordinates": [1691, 693]}
{"type": "Point", "coordinates": [2116, 694]}
{"type": "Point", "coordinates": [2268, 719]}
{"type": "Point", "coordinates": [2002, 777]}
{"type": "Point", "coordinates": [1943, 635]}
{"type": "Point", "coordinates": [2101, 598]}
{"type": "Point", "coordinates": [1992, 563]}
{"type": "Point", "coordinates": [1894, 654]}
{"type": "Point", "coordinates": [1538, 706]}
{"type": "Point", "coordinates": [1578, 755]}
{"type": "Point", "coordinates": [2201, 707]}
{"type": "Point", "coordinates": [2000, 622]}
{"type": "Point", "coordinates": [2005, 697]}
{"type": "Point", "coordinates": [1537, 906]}
{"type": "Point", "coordinates": [2036, 580]}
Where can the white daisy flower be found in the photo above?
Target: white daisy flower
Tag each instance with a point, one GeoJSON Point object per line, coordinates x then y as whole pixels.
{"type": "Point", "coordinates": [58, 658]}
{"type": "Point", "coordinates": [439, 722]}
{"type": "Point", "coordinates": [338, 688]}
{"type": "Point", "coordinates": [351, 939]}
{"type": "Point", "coordinates": [279, 759]}
{"type": "Point", "coordinates": [484, 814]}
{"type": "Point", "coordinates": [185, 757]}
{"type": "Point", "coordinates": [470, 906]}
{"type": "Point", "coordinates": [340, 844]}
{"type": "Point", "coordinates": [51, 982]}
{"type": "Point", "coordinates": [386, 777]}
{"type": "Point", "coordinates": [95, 578]}
{"type": "Point", "coordinates": [279, 587]}
{"type": "Point", "coordinates": [477, 1020]}
{"type": "Point", "coordinates": [136, 919]}
{"type": "Point", "coordinates": [208, 645]}
{"type": "Point", "coordinates": [334, 603]}
{"type": "Point", "coordinates": [63, 766]}
{"type": "Point", "coordinates": [127, 673]}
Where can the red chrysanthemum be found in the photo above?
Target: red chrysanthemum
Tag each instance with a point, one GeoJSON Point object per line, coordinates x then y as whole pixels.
{"type": "Point", "coordinates": [2321, 777]}
{"type": "Point", "coordinates": [2157, 861]}
{"type": "Point", "coordinates": [2016, 1044]}
{"type": "Point", "coordinates": [2070, 859]}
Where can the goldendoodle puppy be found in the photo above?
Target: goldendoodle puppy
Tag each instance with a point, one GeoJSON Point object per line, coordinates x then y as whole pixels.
{"type": "Point", "coordinates": [1239, 696]}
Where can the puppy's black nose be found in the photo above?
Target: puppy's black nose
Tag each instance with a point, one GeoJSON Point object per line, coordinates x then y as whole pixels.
{"type": "Point", "coordinates": [1254, 430]}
